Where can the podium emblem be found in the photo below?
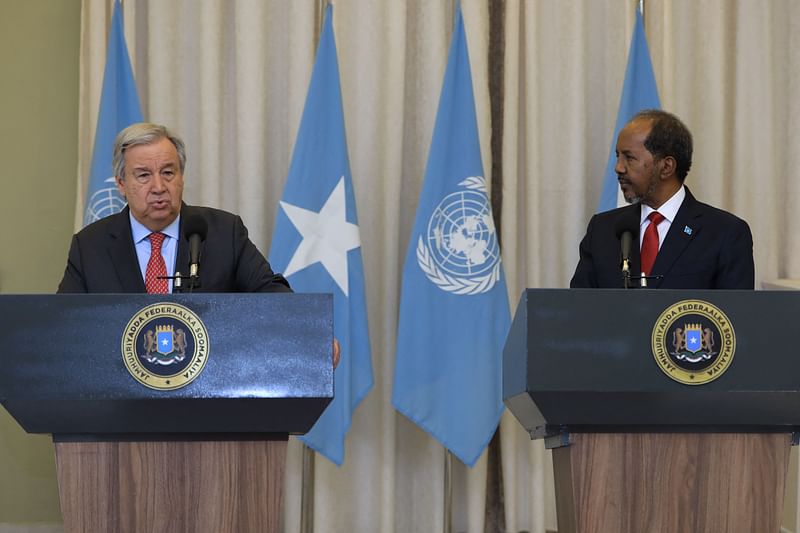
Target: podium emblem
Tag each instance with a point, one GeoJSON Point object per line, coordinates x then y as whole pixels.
{"type": "Point", "coordinates": [165, 346]}
{"type": "Point", "coordinates": [164, 339]}
{"type": "Point", "coordinates": [694, 337]}
{"type": "Point", "coordinates": [693, 342]}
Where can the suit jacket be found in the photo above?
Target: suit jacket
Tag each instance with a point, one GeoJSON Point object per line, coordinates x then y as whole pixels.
{"type": "Point", "coordinates": [102, 257]}
{"type": "Point", "coordinates": [705, 248]}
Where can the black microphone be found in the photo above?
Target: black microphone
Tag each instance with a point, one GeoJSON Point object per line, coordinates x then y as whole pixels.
{"type": "Point", "coordinates": [195, 228]}
{"type": "Point", "coordinates": [625, 241]}
{"type": "Point", "coordinates": [624, 230]}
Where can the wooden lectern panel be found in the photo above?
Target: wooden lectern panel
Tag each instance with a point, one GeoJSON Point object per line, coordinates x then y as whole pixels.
{"type": "Point", "coordinates": [671, 482]}
{"type": "Point", "coordinates": [171, 486]}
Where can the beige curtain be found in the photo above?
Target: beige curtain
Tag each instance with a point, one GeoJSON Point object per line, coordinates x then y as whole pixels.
{"type": "Point", "coordinates": [231, 78]}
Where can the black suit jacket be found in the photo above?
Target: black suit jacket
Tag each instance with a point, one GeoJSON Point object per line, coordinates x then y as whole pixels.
{"type": "Point", "coordinates": [705, 248]}
{"type": "Point", "coordinates": [102, 257]}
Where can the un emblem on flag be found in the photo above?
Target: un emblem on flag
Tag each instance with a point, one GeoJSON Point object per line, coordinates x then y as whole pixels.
{"type": "Point", "coordinates": [693, 342]}
{"type": "Point", "coordinates": [460, 253]}
{"type": "Point", "coordinates": [165, 346]}
{"type": "Point", "coordinates": [103, 202]}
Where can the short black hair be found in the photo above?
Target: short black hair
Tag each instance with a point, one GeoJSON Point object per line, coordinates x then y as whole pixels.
{"type": "Point", "coordinates": [668, 137]}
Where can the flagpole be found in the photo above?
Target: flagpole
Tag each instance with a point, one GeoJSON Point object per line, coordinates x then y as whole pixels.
{"type": "Point", "coordinates": [309, 456]}
{"type": "Point", "coordinates": [447, 522]}
{"type": "Point", "coordinates": [447, 526]}
{"type": "Point", "coordinates": [307, 492]}
{"type": "Point", "coordinates": [320, 20]}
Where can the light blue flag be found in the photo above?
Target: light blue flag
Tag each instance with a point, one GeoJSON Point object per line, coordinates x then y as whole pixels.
{"type": "Point", "coordinates": [317, 246]}
{"type": "Point", "coordinates": [638, 93]}
{"type": "Point", "coordinates": [454, 313]}
{"type": "Point", "coordinates": [119, 108]}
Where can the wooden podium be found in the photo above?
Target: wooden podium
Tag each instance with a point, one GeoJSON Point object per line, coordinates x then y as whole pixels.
{"type": "Point", "coordinates": [633, 449]}
{"type": "Point", "coordinates": [204, 450]}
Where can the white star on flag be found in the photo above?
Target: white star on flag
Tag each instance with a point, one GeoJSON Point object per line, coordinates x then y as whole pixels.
{"type": "Point", "coordinates": [327, 237]}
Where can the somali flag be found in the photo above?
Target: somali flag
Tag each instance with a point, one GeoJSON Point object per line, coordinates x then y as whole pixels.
{"type": "Point", "coordinates": [639, 92]}
{"type": "Point", "coordinates": [317, 243]}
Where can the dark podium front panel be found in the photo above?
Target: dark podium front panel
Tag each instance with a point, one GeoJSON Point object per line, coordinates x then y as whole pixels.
{"type": "Point", "coordinates": [268, 366]}
{"type": "Point", "coordinates": [583, 359]}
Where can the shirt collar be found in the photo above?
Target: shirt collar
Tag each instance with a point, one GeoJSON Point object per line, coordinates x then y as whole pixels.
{"type": "Point", "coordinates": [669, 209]}
{"type": "Point", "coordinates": [140, 232]}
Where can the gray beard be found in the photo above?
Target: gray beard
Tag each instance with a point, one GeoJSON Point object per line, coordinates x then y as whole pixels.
{"type": "Point", "coordinates": [651, 189]}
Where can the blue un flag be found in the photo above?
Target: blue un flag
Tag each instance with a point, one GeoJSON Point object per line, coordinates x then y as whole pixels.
{"type": "Point", "coordinates": [119, 108]}
{"type": "Point", "coordinates": [638, 93]}
{"type": "Point", "coordinates": [454, 313]}
{"type": "Point", "coordinates": [317, 244]}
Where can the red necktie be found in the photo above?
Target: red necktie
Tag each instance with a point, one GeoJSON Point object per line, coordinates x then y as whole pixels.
{"type": "Point", "coordinates": [156, 267]}
{"type": "Point", "coordinates": [650, 242]}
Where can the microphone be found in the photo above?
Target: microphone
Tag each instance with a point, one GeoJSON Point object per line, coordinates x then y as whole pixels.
{"type": "Point", "coordinates": [625, 246]}
{"type": "Point", "coordinates": [195, 228]}
{"type": "Point", "coordinates": [624, 230]}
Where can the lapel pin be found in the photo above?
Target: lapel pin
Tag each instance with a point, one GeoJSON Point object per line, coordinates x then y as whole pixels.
{"type": "Point", "coordinates": [687, 230]}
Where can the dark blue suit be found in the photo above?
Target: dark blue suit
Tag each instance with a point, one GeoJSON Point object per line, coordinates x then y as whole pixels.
{"type": "Point", "coordinates": [102, 257]}
{"type": "Point", "coordinates": [706, 248]}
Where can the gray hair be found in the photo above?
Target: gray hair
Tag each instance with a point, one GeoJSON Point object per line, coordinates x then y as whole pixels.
{"type": "Point", "coordinates": [143, 133]}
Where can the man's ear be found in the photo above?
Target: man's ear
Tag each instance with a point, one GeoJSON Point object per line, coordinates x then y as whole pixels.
{"type": "Point", "coordinates": [668, 167]}
{"type": "Point", "coordinates": [120, 186]}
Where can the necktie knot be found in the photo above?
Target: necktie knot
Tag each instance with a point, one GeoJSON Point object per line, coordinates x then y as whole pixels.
{"type": "Point", "coordinates": [655, 218]}
{"type": "Point", "coordinates": [156, 240]}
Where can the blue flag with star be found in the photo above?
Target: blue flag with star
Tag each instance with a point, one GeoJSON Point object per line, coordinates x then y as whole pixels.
{"type": "Point", "coordinates": [119, 108]}
{"type": "Point", "coordinates": [454, 313]}
{"type": "Point", "coordinates": [639, 92]}
{"type": "Point", "coordinates": [317, 244]}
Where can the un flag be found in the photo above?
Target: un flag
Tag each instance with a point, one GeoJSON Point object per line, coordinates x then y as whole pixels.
{"type": "Point", "coordinates": [454, 313]}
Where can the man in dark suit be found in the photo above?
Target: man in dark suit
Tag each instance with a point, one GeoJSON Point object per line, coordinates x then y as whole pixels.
{"type": "Point", "coordinates": [115, 254]}
{"type": "Point", "coordinates": [678, 242]}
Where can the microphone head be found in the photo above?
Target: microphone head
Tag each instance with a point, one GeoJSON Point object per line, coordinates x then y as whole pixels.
{"type": "Point", "coordinates": [195, 225]}
{"type": "Point", "coordinates": [625, 243]}
{"type": "Point", "coordinates": [625, 228]}
{"type": "Point", "coordinates": [626, 224]}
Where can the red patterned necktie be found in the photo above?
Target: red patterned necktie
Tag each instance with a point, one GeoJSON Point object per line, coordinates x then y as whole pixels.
{"type": "Point", "coordinates": [650, 242]}
{"type": "Point", "coordinates": [156, 267]}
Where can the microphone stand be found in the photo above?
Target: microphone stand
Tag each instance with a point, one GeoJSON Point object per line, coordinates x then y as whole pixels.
{"type": "Point", "coordinates": [626, 274]}
{"type": "Point", "coordinates": [177, 282]}
{"type": "Point", "coordinates": [194, 281]}
{"type": "Point", "coordinates": [643, 279]}
{"type": "Point", "coordinates": [194, 276]}
{"type": "Point", "coordinates": [177, 285]}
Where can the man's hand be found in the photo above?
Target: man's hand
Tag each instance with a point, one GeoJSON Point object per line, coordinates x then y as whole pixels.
{"type": "Point", "coordinates": [337, 353]}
